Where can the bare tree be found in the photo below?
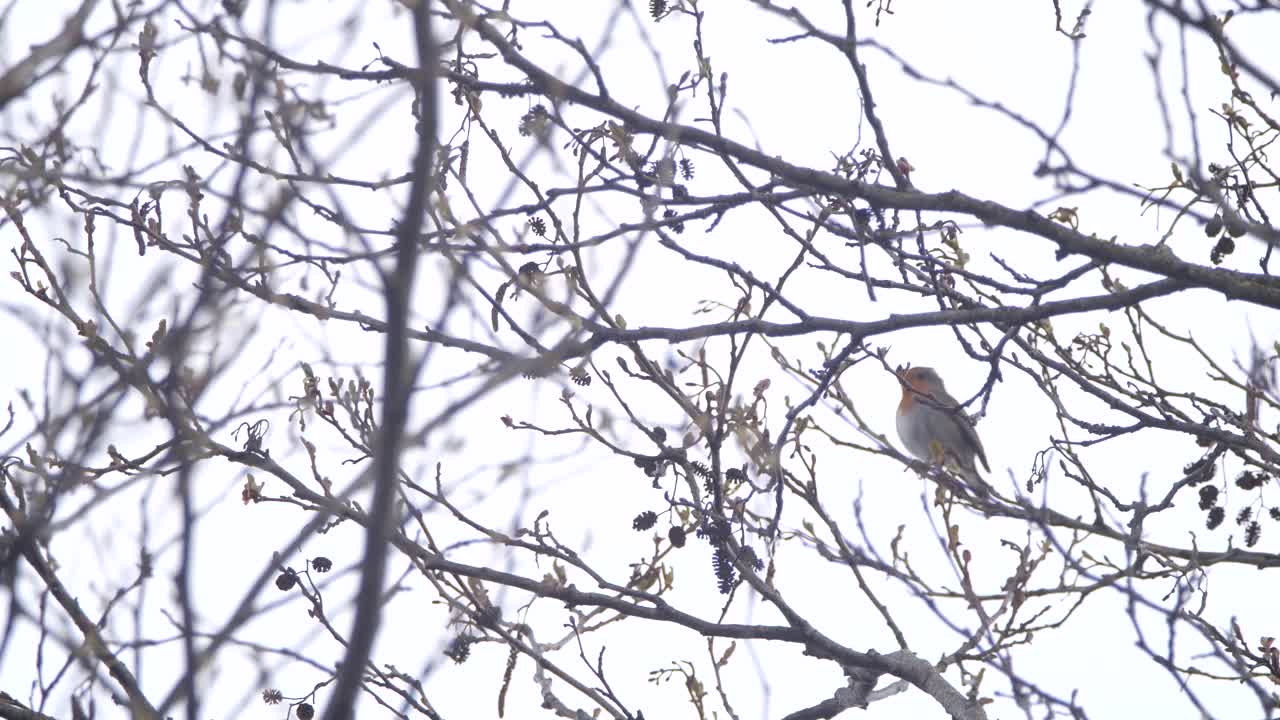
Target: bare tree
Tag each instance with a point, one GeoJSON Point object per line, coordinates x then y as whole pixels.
{"type": "Point", "coordinates": [342, 336]}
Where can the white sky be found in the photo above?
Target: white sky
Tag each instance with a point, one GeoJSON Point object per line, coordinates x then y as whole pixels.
{"type": "Point", "coordinates": [801, 100]}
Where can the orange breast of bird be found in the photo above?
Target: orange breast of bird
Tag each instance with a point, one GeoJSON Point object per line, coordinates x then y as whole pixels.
{"type": "Point", "coordinates": [910, 390]}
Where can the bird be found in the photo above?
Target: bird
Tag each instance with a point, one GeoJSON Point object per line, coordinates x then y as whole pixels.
{"type": "Point", "coordinates": [934, 427]}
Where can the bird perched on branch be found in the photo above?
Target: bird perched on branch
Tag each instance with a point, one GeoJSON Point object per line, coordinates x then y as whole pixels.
{"type": "Point", "coordinates": [935, 429]}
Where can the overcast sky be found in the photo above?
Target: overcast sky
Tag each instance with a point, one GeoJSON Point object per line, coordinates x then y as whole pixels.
{"type": "Point", "coordinates": [795, 99]}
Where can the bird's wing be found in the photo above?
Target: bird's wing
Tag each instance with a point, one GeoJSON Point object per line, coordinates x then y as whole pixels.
{"type": "Point", "coordinates": [972, 434]}
{"type": "Point", "coordinates": [966, 426]}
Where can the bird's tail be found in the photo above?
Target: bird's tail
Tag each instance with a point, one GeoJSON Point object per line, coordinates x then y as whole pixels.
{"type": "Point", "coordinates": [972, 479]}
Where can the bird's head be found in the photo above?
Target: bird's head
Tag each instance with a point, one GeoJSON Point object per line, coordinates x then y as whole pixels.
{"type": "Point", "coordinates": [924, 380]}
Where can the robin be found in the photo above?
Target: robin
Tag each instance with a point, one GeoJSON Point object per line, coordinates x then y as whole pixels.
{"type": "Point", "coordinates": [934, 427]}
